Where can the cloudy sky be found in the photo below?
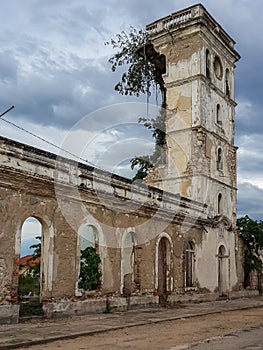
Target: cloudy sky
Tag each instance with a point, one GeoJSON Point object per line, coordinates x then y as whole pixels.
{"type": "Point", "coordinates": [54, 69]}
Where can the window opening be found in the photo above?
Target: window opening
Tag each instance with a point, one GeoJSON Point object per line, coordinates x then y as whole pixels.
{"type": "Point", "coordinates": [30, 269]}
{"type": "Point", "coordinates": [227, 83]}
{"type": "Point", "coordinates": [207, 63]}
{"type": "Point", "coordinates": [218, 114]}
{"type": "Point", "coordinates": [90, 262]}
{"type": "Point", "coordinates": [218, 69]}
{"type": "Point", "coordinates": [189, 264]}
{"type": "Point", "coordinates": [219, 203]}
{"type": "Point", "coordinates": [128, 264]}
{"type": "Point", "coordinates": [222, 272]}
{"type": "Point", "coordinates": [219, 160]}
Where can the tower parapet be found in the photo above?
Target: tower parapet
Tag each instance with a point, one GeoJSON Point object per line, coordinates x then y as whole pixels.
{"type": "Point", "coordinates": [188, 17]}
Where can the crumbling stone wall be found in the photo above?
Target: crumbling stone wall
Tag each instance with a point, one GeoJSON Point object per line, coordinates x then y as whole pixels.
{"type": "Point", "coordinates": [64, 195]}
{"type": "Point", "coordinates": [33, 185]}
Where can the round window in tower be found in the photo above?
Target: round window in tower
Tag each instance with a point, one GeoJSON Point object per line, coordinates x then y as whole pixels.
{"type": "Point", "coordinates": [218, 69]}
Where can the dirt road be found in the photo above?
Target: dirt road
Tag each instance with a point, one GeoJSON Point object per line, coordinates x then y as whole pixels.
{"type": "Point", "coordinates": [168, 335]}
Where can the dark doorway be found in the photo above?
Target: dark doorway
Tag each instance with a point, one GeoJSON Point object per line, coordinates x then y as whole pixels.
{"type": "Point", "coordinates": [163, 249]}
{"type": "Point", "coordinates": [221, 271]}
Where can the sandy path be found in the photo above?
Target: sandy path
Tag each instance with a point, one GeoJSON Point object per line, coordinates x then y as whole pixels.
{"type": "Point", "coordinates": [165, 335]}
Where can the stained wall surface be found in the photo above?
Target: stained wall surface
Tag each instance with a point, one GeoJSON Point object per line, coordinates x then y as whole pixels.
{"type": "Point", "coordinates": [143, 233]}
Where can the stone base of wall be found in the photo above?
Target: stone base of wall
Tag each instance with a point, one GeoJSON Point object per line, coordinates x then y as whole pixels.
{"type": "Point", "coordinates": [142, 301]}
{"type": "Point", "coordinates": [9, 314]}
{"type": "Point", "coordinates": [97, 305]}
{"type": "Point", "coordinates": [202, 297]}
{"type": "Point", "coordinates": [246, 293]}
{"type": "Point", "coordinates": [117, 303]}
{"type": "Point", "coordinates": [191, 297]}
{"type": "Point", "coordinates": [82, 307]}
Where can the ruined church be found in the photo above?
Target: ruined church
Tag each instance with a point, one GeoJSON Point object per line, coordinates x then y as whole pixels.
{"type": "Point", "coordinates": [178, 240]}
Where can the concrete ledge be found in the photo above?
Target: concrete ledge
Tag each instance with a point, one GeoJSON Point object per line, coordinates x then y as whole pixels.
{"type": "Point", "coordinates": [143, 301]}
{"type": "Point", "coordinates": [9, 314]}
{"type": "Point", "coordinates": [69, 308]}
{"type": "Point", "coordinates": [118, 303]}
{"type": "Point", "coordinates": [83, 307]}
{"type": "Point", "coordinates": [96, 305]}
{"type": "Point", "coordinates": [191, 297]}
{"type": "Point", "coordinates": [246, 293]}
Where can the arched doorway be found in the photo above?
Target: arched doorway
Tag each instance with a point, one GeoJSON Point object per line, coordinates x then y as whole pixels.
{"type": "Point", "coordinates": [30, 268]}
{"type": "Point", "coordinates": [222, 271]}
{"type": "Point", "coordinates": [127, 263]}
{"type": "Point", "coordinates": [88, 237]}
{"type": "Point", "coordinates": [163, 265]}
{"type": "Point", "coordinates": [88, 259]}
{"type": "Point", "coordinates": [189, 264]}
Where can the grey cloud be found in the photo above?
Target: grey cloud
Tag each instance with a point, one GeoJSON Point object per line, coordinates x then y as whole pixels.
{"type": "Point", "coordinates": [121, 152]}
{"type": "Point", "coordinates": [250, 159]}
{"type": "Point", "coordinates": [8, 67]}
{"type": "Point", "coordinates": [248, 118]}
{"type": "Point", "coordinates": [59, 97]}
{"type": "Point", "coordinates": [250, 201]}
{"type": "Point", "coordinates": [53, 64]}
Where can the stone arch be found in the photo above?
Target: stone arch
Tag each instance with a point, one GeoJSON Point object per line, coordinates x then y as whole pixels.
{"type": "Point", "coordinates": [128, 245]}
{"type": "Point", "coordinates": [47, 251]}
{"type": "Point", "coordinates": [218, 67]}
{"type": "Point", "coordinates": [222, 258]}
{"type": "Point", "coordinates": [88, 235]}
{"type": "Point", "coordinates": [164, 266]}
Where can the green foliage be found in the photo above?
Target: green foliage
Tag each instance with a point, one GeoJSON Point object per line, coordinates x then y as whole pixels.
{"type": "Point", "coordinates": [33, 266]}
{"type": "Point", "coordinates": [158, 128]}
{"type": "Point", "coordinates": [107, 306]}
{"type": "Point", "coordinates": [144, 163]}
{"type": "Point", "coordinates": [140, 74]}
{"type": "Point", "coordinates": [32, 308]}
{"type": "Point", "coordinates": [251, 231]}
{"type": "Point", "coordinates": [28, 284]}
{"type": "Point", "coordinates": [251, 262]}
{"type": "Point", "coordinates": [144, 71]}
{"type": "Point", "coordinates": [90, 274]}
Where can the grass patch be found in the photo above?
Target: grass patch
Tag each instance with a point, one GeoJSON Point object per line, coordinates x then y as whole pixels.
{"type": "Point", "coordinates": [31, 308]}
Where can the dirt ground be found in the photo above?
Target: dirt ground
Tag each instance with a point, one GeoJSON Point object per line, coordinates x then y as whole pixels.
{"type": "Point", "coordinates": [168, 335]}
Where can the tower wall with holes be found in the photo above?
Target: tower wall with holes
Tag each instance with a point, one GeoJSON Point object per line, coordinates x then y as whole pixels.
{"type": "Point", "coordinates": [200, 152]}
{"type": "Point", "coordinates": [199, 82]}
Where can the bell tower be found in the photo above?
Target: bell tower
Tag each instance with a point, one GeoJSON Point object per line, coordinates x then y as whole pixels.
{"type": "Point", "coordinates": [199, 86]}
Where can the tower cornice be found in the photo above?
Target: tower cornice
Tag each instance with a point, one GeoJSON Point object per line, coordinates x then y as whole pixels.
{"type": "Point", "coordinates": [194, 16]}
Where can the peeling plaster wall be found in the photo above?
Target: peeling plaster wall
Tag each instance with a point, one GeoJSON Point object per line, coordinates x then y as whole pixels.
{"type": "Point", "coordinates": [64, 195]}
{"type": "Point", "coordinates": [33, 184]}
{"type": "Point", "coordinates": [199, 81]}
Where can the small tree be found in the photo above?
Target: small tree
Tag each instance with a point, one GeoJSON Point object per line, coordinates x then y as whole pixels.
{"type": "Point", "coordinates": [140, 74]}
{"type": "Point", "coordinates": [28, 285]}
{"type": "Point", "coordinates": [33, 265]}
{"type": "Point", "coordinates": [90, 274]}
{"type": "Point", "coordinates": [29, 282]}
{"type": "Point", "coordinates": [251, 231]}
{"type": "Point", "coordinates": [144, 73]}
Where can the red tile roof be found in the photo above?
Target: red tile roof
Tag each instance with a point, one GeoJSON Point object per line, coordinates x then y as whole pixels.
{"type": "Point", "coordinates": [23, 261]}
